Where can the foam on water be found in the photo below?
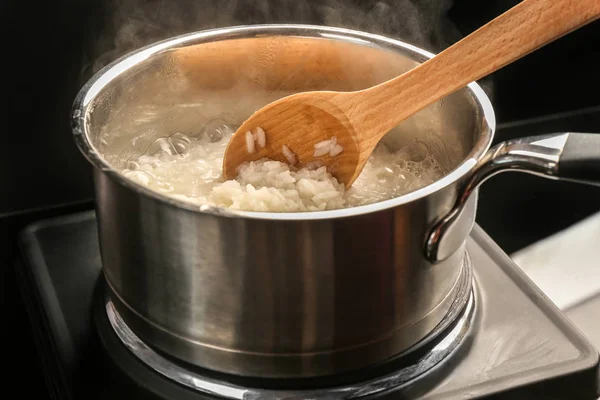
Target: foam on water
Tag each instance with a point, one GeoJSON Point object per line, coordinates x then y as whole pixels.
{"type": "Point", "coordinates": [189, 168]}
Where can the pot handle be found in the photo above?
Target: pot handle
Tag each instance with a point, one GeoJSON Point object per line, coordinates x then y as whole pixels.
{"type": "Point", "coordinates": [563, 156]}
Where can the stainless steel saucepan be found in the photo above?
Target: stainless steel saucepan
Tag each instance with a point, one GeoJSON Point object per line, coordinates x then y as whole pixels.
{"type": "Point", "coordinates": [290, 294]}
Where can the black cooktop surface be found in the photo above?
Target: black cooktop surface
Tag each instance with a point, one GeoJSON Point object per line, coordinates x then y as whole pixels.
{"type": "Point", "coordinates": [520, 345]}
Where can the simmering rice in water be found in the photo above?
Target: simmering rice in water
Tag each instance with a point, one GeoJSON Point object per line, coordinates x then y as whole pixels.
{"type": "Point", "coordinates": [189, 169]}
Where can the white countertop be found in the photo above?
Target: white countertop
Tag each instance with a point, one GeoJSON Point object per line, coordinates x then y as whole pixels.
{"type": "Point", "coordinates": [566, 265]}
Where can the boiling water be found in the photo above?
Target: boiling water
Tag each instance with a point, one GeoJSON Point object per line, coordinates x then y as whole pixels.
{"type": "Point", "coordinates": [189, 169]}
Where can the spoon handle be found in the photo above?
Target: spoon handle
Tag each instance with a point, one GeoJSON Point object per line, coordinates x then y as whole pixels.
{"type": "Point", "coordinates": [524, 28]}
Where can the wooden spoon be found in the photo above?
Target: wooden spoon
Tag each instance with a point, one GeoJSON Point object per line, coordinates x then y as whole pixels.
{"type": "Point", "coordinates": [358, 120]}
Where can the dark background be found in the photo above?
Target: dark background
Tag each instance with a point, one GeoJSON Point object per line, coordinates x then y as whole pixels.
{"type": "Point", "coordinates": [48, 44]}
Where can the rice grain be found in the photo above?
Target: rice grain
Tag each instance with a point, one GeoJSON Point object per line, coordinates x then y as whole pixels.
{"type": "Point", "coordinates": [249, 142]}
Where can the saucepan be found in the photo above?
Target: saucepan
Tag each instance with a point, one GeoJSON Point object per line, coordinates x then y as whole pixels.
{"type": "Point", "coordinates": [275, 294]}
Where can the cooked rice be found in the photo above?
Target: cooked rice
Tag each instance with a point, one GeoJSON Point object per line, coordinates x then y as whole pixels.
{"type": "Point", "coordinates": [329, 146]}
{"type": "Point", "coordinates": [323, 144]}
{"type": "Point", "coordinates": [289, 155]}
{"type": "Point", "coordinates": [335, 150]}
{"type": "Point", "coordinates": [258, 136]}
{"type": "Point", "coordinates": [249, 142]}
{"type": "Point", "coordinates": [261, 137]}
{"type": "Point", "coordinates": [192, 173]}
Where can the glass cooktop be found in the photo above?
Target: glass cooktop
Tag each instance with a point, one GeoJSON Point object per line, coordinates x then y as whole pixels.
{"type": "Point", "coordinates": [520, 345]}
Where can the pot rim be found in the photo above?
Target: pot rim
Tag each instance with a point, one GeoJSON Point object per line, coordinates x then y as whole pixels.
{"type": "Point", "coordinates": [96, 84]}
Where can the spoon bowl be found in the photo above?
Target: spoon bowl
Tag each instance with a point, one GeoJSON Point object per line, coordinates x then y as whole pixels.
{"type": "Point", "coordinates": [295, 124]}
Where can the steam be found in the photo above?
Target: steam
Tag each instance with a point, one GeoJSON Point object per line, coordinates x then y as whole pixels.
{"type": "Point", "coordinates": [130, 24]}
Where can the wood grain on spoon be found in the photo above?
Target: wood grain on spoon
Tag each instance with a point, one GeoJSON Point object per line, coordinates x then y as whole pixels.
{"type": "Point", "coordinates": [358, 120]}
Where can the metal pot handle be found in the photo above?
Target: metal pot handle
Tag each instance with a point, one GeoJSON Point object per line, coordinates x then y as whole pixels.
{"type": "Point", "coordinates": [563, 156]}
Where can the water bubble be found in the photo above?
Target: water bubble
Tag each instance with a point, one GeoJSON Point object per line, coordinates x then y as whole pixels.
{"type": "Point", "coordinates": [165, 187]}
{"type": "Point", "coordinates": [216, 129]}
{"type": "Point", "coordinates": [181, 146]}
{"type": "Point", "coordinates": [414, 152]}
{"type": "Point", "coordinates": [181, 137]}
{"type": "Point", "coordinates": [139, 176]}
{"type": "Point", "coordinates": [163, 146]}
{"type": "Point", "coordinates": [146, 167]}
{"type": "Point", "coordinates": [177, 144]}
